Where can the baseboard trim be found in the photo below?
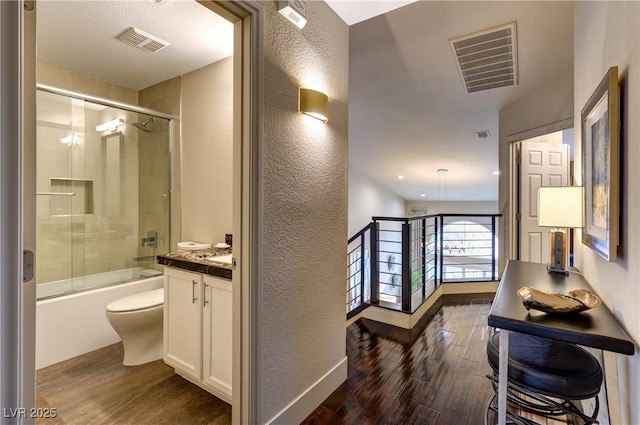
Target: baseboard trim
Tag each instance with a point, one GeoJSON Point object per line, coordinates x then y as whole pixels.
{"type": "Point", "coordinates": [399, 318]}
{"type": "Point", "coordinates": [312, 397]}
{"type": "Point", "coordinates": [470, 288]}
{"type": "Point", "coordinates": [409, 320]}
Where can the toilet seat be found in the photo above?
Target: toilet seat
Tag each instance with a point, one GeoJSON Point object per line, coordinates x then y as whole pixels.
{"type": "Point", "coordinates": [136, 302]}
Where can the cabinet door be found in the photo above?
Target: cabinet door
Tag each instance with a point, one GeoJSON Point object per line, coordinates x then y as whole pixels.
{"type": "Point", "coordinates": [183, 321]}
{"type": "Point", "coordinates": [217, 338]}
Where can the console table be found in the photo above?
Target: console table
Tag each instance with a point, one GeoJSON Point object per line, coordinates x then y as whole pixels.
{"type": "Point", "coordinates": [596, 328]}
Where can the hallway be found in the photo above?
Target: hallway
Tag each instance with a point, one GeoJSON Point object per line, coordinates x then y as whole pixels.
{"type": "Point", "coordinates": [432, 374]}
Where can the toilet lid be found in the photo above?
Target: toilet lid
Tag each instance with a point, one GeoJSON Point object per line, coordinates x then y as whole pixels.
{"type": "Point", "coordinates": [139, 301]}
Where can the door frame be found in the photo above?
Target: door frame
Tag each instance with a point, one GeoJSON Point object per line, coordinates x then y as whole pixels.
{"type": "Point", "coordinates": [248, 22]}
{"type": "Point", "coordinates": [17, 210]}
{"type": "Point", "coordinates": [17, 203]}
{"type": "Point", "coordinates": [514, 178]}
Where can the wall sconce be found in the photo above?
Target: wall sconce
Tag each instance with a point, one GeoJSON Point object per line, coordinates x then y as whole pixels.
{"type": "Point", "coordinates": [313, 103]}
{"type": "Point", "coordinates": [560, 207]}
{"type": "Point", "coordinates": [294, 10]}
{"type": "Point", "coordinates": [110, 125]}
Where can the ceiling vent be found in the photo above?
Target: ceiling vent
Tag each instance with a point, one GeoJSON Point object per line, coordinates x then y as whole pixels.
{"type": "Point", "coordinates": [488, 59]}
{"type": "Point", "coordinates": [142, 40]}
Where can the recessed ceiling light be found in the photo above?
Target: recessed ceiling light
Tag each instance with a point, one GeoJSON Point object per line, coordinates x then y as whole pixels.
{"type": "Point", "coordinates": [443, 171]}
{"type": "Point", "coordinates": [496, 173]}
{"type": "Point", "coordinates": [400, 177]}
{"type": "Point", "coordinates": [422, 195]}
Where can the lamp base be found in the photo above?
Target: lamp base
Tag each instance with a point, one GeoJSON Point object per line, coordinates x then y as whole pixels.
{"type": "Point", "coordinates": [558, 252]}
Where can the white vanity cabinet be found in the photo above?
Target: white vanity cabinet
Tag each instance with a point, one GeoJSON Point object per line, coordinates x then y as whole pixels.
{"type": "Point", "coordinates": [217, 339]}
{"type": "Point", "coordinates": [198, 330]}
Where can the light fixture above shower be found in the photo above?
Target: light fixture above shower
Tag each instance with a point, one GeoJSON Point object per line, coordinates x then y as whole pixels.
{"type": "Point", "coordinates": [110, 125]}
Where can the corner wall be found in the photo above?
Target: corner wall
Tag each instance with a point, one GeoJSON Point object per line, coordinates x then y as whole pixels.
{"type": "Point", "coordinates": [303, 216]}
{"type": "Point", "coordinates": [548, 105]}
{"type": "Point", "coordinates": [367, 199]}
{"type": "Point", "coordinates": [607, 34]}
{"type": "Point", "coordinates": [207, 157]}
{"type": "Point", "coordinates": [454, 207]}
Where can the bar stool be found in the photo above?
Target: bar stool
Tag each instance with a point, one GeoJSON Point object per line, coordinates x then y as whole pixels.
{"type": "Point", "coordinates": [545, 378]}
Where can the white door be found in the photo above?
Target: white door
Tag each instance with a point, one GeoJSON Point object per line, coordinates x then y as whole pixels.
{"type": "Point", "coordinates": [541, 164]}
{"type": "Point", "coordinates": [17, 211]}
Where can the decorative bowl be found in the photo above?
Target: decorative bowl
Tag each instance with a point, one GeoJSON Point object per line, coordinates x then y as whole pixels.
{"type": "Point", "coordinates": [573, 302]}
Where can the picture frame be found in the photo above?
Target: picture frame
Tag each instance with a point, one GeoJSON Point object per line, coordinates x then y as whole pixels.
{"type": "Point", "coordinates": [600, 120]}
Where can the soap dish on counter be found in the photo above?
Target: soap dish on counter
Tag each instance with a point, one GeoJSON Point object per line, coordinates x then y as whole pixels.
{"type": "Point", "coordinates": [222, 245]}
{"type": "Point", "coordinates": [193, 246]}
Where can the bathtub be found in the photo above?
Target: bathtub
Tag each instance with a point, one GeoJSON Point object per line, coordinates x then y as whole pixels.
{"type": "Point", "coordinates": [75, 324]}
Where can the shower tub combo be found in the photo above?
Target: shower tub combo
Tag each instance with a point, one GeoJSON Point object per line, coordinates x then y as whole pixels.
{"type": "Point", "coordinates": [102, 215]}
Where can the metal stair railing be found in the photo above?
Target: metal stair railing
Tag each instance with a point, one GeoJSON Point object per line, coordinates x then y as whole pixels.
{"type": "Point", "coordinates": [397, 262]}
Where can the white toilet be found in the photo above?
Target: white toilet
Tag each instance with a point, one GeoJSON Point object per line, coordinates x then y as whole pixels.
{"type": "Point", "coordinates": [138, 320]}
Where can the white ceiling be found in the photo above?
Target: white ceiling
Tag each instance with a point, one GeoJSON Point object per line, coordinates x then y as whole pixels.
{"type": "Point", "coordinates": [82, 35]}
{"type": "Point", "coordinates": [354, 11]}
{"type": "Point", "coordinates": [408, 112]}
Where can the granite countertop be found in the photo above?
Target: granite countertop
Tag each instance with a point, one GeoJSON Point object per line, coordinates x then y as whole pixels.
{"type": "Point", "coordinates": [198, 261]}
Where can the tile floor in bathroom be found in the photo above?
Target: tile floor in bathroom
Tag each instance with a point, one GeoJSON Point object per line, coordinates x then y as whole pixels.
{"type": "Point", "coordinates": [96, 389]}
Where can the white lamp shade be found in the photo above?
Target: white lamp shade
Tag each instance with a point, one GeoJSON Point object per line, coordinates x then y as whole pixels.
{"type": "Point", "coordinates": [561, 206]}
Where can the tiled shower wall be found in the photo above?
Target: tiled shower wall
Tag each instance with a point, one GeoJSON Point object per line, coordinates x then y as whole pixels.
{"type": "Point", "coordinates": [93, 235]}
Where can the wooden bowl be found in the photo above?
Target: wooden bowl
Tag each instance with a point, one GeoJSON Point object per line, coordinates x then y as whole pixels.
{"type": "Point", "coordinates": [573, 302]}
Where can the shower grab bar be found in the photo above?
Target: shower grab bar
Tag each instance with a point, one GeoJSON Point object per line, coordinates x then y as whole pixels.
{"type": "Point", "coordinates": [57, 193]}
{"type": "Point", "coordinates": [146, 258]}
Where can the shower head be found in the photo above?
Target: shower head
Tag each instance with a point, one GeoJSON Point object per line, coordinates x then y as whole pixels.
{"type": "Point", "coordinates": [143, 125]}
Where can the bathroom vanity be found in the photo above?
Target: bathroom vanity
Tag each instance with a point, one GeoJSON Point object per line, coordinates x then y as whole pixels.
{"type": "Point", "coordinates": [197, 335]}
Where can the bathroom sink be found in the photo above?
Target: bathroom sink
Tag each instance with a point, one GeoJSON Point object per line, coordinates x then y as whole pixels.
{"type": "Point", "coordinates": [226, 259]}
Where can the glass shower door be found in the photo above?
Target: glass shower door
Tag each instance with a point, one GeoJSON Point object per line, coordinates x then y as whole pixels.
{"type": "Point", "coordinates": [62, 198]}
{"type": "Point", "coordinates": [103, 201]}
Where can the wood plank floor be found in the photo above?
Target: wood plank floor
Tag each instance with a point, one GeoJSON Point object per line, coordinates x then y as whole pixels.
{"type": "Point", "coordinates": [432, 374]}
{"type": "Point", "coordinates": [96, 389]}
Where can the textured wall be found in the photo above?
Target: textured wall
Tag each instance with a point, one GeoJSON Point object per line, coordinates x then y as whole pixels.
{"type": "Point", "coordinates": [608, 34]}
{"type": "Point", "coordinates": [207, 157]}
{"type": "Point", "coordinates": [304, 179]}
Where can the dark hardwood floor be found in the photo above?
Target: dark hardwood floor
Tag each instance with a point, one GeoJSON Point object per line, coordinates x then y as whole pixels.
{"type": "Point", "coordinates": [96, 389]}
{"type": "Point", "coordinates": [432, 374]}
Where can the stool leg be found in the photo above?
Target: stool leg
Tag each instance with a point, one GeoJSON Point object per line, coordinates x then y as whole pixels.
{"type": "Point", "coordinates": [541, 404]}
{"type": "Point", "coordinates": [503, 369]}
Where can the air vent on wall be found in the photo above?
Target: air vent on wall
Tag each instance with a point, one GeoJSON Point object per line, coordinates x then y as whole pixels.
{"type": "Point", "coordinates": [487, 59]}
{"type": "Point", "coordinates": [142, 40]}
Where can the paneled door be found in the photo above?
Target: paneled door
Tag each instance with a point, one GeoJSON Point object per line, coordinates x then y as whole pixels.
{"type": "Point", "coordinates": [541, 164]}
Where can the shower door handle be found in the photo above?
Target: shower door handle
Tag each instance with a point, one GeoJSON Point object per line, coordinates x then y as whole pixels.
{"type": "Point", "coordinates": [27, 265]}
{"type": "Point", "coordinates": [193, 292]}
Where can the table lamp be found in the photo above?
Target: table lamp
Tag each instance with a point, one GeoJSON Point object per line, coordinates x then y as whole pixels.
{"type": "Point", "coordinates": [560, 207]}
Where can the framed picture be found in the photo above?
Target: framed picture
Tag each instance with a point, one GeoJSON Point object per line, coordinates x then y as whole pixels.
{"type": "Point", "coordinates": [600, 160]}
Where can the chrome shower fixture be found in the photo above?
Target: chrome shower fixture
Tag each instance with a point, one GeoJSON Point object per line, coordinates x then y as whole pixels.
{"type": "Point", "coordinates": [143, 125]}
